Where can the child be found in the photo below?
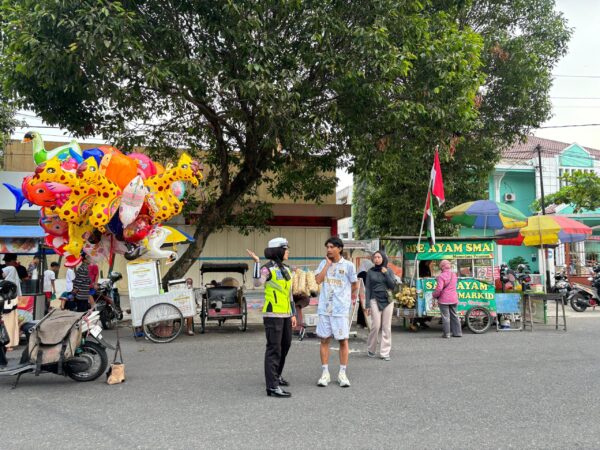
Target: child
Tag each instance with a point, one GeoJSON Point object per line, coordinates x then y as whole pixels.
{"type": "Point", "coordinates": [49, 288]}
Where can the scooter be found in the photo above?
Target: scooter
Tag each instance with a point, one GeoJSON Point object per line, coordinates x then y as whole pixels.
{"type": "Point", "coordinates": [88, 362]}
{"type": "Point", "coordinates": [561, 286]}
{"type": "Point", "coordinates": [523, 277]}
{"type": "Point", "coordinates": [108, 303]}
{"type": "Point", "coordinates": [583, 297]}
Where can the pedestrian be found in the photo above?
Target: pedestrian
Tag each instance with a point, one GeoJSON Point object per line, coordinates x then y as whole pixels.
{"type": "Point", "coordinates": [81, 287]}
{"type": "Point", "coordinates": [278, 312]}
{"type": "Point", "coordinates": [361, 318]}
{"type": "Point", "coordinates": [10, 316]}
{"type": "Point", "coordinates": [381, 310]}
{"type": "Point", "coordinates": [49, 286]}
{"type": "Point", "coordinates": [33, 268]}
{"type": "Point", "coordinates": [339, 289]}
{"type": "Point", "coordinates": [189, 321]}
{"type": "Point", "coordinates": [445, 292]}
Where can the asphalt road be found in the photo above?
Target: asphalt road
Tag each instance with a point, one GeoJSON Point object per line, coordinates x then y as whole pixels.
{"type": "Point", "coordinates": [497, 390]}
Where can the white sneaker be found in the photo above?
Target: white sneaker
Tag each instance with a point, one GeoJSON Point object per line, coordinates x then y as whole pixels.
{"type": "Point", "coordinates": [324, 380]}
{"type": "Point", "coordinates": [343, 380]}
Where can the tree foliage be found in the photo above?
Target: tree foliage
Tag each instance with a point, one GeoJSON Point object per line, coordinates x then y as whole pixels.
{"type": "Point", "coordinates": [523, 40]}
{"type": "Point", "coordinates": [581, 189]}
{"type": "Point", "coordinates": [8, 121]}
{"type": "Point", "coordinates": [267, 92]}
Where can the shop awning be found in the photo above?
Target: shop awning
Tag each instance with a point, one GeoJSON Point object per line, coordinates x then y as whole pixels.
{"type": "Point", "coordinates": [21, 232]}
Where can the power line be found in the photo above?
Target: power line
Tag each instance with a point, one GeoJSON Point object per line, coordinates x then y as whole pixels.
{"type": "Point", "coordinates": [576, 76]}
{"type": "Point", "coordinates": [576, 98]}
{"type": "Point", "coordinates": [572, 126]}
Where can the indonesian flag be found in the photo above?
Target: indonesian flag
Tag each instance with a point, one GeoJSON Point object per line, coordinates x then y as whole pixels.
{"type": "Point", "coordinates": [437, 183]}
{"type": "Point", "coordinates": [437, 189]}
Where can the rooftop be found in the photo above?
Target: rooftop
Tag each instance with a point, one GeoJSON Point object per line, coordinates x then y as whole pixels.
{"type": "Point", "coordinates": [527, 150]}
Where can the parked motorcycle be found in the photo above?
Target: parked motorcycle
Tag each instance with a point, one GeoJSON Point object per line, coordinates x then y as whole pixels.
{"type": "Point", "coordinates": [63, 342]}
{"type": "Point", "coordinates": [508, 278]}
{"type": "Point", "coordinates": [523, 277]}
{"type": "Point", "coordinates": [582, 296]}
{"type": "Point", "coordinates": [108, 302]}
{"type": "Point", "coordinates": [561, 286]}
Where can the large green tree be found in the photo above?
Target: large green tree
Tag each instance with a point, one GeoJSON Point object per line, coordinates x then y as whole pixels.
{"type": "Point", "coordinates": [581, 189]}
{"type": "Point", "coordinates": [274, 92]}
{"type": "Point", "coordinates": [523, 40]}
{"type": "Point", "coordinates": [8, 121]}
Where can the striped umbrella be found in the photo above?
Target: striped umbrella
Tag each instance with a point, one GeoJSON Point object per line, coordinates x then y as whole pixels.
{"type": "Point", "coordinates": [486, 214]}
{"type": "Point", "coordinates": [571, 231]}
{"type": "Point", "coordinates": [553, 230]}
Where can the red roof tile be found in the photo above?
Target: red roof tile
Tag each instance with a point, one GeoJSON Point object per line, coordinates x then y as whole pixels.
{"type": "Point", "coordinates": [527, 150]}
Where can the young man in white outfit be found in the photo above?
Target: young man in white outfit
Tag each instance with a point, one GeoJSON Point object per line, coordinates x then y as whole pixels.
{"type": "Point", "coordinates": [339, 288]}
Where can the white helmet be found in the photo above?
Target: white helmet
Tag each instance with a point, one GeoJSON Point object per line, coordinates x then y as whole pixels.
{"type": "Point", "coordinates": [278, 242]}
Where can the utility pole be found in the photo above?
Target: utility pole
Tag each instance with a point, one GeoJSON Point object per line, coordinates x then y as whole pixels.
{"type": "Point", "coordinates": [543, 203]}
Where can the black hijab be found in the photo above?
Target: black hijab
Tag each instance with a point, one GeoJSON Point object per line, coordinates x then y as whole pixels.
{"type": "Point", "coordinates": [276, 254]}
{"type": "Point", "coordinates": [384, 263]}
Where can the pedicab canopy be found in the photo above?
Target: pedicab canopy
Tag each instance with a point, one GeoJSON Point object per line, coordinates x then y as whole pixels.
{"type": "Point", "coordinates": [472, 260]}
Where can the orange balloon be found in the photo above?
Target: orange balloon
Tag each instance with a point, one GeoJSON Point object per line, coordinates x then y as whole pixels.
{"type": "Point", "coordinates": [159, 168]}
{"type": "Point", "coordinates": [118, 168]}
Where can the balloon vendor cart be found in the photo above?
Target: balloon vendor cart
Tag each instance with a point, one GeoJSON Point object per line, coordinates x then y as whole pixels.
{"type": "Point", "coordinates": [472, 260]}
{"type": "Point", "coordinates": [159, 314]}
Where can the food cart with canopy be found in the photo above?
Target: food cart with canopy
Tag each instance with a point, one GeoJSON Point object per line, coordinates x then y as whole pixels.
{"type": "Point", "coordinates": [472, 260]}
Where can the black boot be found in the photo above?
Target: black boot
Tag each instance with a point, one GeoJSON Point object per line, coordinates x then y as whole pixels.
{"type": "Point", "coordinates": [283, 381]}
{"type": "Point", "coordinates": [278, 392]}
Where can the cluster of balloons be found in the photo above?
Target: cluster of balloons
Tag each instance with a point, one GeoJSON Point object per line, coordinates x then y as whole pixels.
{"type": "Point", "coordinates": [103, 202]}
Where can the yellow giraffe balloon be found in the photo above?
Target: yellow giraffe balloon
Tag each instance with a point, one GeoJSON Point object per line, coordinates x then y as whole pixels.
{"type": "Point", "coordinates": [162, 202]}
{"type": "Point", "coordinates": [108, 194]}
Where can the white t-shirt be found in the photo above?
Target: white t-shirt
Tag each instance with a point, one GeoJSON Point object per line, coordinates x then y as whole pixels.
{"type": "Point", "coordinates": [335, 298]}
{"type": "Point", "coordinates": [49, 276]}
{"type": "Point", "coordinates": [69, 280]}
{"type": "Point", "coordinates": [10, 273]}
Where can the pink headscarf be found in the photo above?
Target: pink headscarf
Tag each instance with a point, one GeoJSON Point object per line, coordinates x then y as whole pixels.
{"type": "Point", "coordinates": [445, 265]}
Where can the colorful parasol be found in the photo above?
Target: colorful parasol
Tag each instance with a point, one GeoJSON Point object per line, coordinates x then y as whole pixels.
{"type": "Point", "coordinates": [177, 236]}
{"type": "Point", "coordinates": [553, 230]}
{"type": "Point", "coordinates": [486, 214]}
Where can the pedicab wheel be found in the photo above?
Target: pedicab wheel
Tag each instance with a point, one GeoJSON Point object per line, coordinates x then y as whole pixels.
{"type": "Point", "coordinates": [244, 324]}
{"type": "Point", "coordinates": [478, 320]}
{"type": "Point", "coordinates": [203, 314]}
{"type": "Point", "coordinates": [162, 323]}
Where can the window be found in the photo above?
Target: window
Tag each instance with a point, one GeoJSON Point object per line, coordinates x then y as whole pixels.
{"type": "Point", "coordinates": [562, 171]}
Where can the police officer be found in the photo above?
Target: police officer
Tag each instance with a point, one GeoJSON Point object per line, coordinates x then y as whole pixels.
{"type": "Point", "coordinates": [278, 311]}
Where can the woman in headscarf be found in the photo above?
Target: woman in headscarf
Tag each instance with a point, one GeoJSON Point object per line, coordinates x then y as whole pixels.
{"type": "Point", "coordinates": [445, 292]}
{"type": "Point", "coordinates": [278, 312]}
{"type": "Point", "coordinates": [379, 280]}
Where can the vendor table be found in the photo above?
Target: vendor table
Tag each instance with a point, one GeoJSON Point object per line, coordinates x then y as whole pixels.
{"type": "Point", "coordinates": [529, 299]}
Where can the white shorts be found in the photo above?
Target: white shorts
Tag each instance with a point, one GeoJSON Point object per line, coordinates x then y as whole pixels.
{"type": "Point", "coordinates": [337, 327]}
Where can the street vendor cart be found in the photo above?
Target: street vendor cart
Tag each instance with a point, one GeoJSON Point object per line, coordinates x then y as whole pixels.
{"type": "Point", "coordinates": [472, 260]}
{"type": "Point", "coordinates": [226, 299]}
{"type": "Point", "coordinates": [160, 314]}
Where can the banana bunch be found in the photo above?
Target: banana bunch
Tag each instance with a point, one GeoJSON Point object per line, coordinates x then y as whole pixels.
{"type": "Point", "coordinates": [407, 297]}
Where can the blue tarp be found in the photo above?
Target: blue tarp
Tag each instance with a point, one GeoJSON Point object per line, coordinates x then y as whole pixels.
{"type": "Point", "coordinates": [21, 231]}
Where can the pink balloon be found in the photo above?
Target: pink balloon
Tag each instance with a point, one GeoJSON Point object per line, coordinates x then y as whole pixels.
{"type": "Point", "coordinates": [146, 167]}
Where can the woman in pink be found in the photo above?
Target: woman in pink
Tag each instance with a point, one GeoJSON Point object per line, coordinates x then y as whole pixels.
{"type": "Point", "coordinates": [447, 296]}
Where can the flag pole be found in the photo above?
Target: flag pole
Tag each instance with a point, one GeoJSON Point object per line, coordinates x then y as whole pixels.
{"type": "Point", "coordinates": [428, 196]}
